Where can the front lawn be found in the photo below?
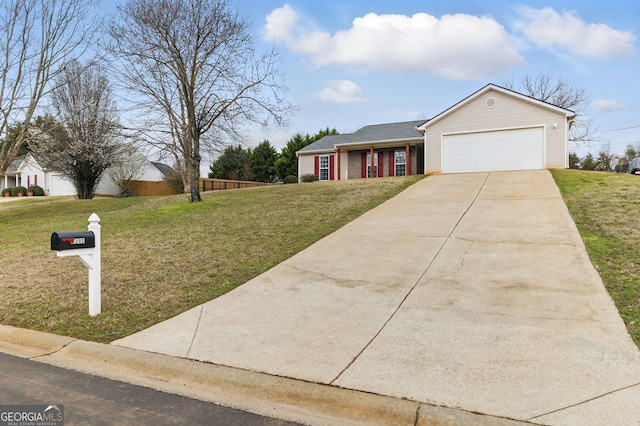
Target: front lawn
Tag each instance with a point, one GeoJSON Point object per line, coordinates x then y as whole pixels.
{"type": "Point", "coordinates": [163, 255]}
{"type": "Point", "coordinates": [606, 209]}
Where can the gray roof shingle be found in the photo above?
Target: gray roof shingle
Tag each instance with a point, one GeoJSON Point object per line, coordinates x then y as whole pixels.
{"type": "Point", "coordinates": [13, 167]}
{"type": "Point", "coordinates": [371, 133]}
{"type": "Point", "coordinates": [165, 169]}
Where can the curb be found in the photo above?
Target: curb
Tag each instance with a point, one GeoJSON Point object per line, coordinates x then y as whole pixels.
{"type": "Point", "coordinates": [259, 393]}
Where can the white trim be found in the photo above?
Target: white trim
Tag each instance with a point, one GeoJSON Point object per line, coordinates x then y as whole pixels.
{"type": "Point", "coordinates": [566, 145]}
{"type": "Point", "coordinates": [328, 168]}
{"type": "Point", "coordinates": [497, 129]}
{"type": "Point", "coordinates": [326, 151]}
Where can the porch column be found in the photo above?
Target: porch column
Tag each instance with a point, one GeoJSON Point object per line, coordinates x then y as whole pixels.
{"type": "Point", "coordinates": [408, 155]}
{"type": "Point", "coordinates": [371, 163]}
{"type": "Point", "coordinates": [338, 162]}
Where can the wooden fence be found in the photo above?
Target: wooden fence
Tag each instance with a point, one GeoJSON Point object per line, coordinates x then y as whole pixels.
{"type": "Point", "coordinates": [145, 188]}
{"type": "Point", "coordinates": [209, 184]}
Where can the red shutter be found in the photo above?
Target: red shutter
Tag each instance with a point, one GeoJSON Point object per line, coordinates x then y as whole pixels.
{"type": "Point", "coordinates": [363, 173]}
{"type": "Point", "coordinates": [332, 167]}
{"type": "Point", "coordinates": [316, 165]}
{"type": "Point", "coordinates": [380, 164]}
{"type": "Point", "coordinates": [392, 163]}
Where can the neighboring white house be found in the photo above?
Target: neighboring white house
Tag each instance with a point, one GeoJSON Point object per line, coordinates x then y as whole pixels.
{"type": "Point", "coordinates": [492, 129]}
{"type": "Point", "coordinates": [10, 178]}
{"type": "Point", "coordinates": [32, 170]}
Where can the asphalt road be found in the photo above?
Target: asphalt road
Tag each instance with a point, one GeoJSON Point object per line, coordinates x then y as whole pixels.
{"type": "Point", "coordinates": [92, 400]}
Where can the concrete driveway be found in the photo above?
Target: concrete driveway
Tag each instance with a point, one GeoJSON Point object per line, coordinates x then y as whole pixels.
{"type": "Point", "coordinates": [469, 291]}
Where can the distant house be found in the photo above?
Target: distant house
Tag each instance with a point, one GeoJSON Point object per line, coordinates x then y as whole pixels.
{"type": "Point", "coordinates": [165, 170]}
{"type": "Point", "coordinates": [33, 170]}
{"type": "Point", "coordinates": [10, 178]}
{"type": "Point", "coordinates": [490, 130]}
{"type": "Point", "coordinates": [154, 179]}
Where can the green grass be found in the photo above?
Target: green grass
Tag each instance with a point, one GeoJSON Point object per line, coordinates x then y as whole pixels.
{"type": "Point", "coordinates": [606, 210]}
{"type": "Point", "coordinates": [163, 255]}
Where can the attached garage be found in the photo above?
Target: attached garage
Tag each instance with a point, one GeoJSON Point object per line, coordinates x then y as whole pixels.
{"type": "Point", "coordinates": [497, 129]}
{"type": "Point", "coordinates": [515, 149]}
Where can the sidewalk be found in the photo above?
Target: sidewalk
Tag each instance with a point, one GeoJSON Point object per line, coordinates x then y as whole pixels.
{"type": "Point", "coordinates": [470, 291]}
{"type": "Point", "coordinates": [8, 199]}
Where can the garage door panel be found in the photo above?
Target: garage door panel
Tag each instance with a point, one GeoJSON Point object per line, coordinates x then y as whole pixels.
{"type": "Point", "coordinates": [521, 149]}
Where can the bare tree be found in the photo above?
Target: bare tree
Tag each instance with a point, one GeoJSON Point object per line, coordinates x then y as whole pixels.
{"type": "Point", "coordinates": [88, 139]}
{"type": "Point", "coordinates": [560, 92]}
{"type": "Point", "coordinates": [632, 151]}
{"type": "Point", "coordinates": [200, 79]}
{"type": "Point", "coordinates": [36, 36]}
{"type": "Point", "coordinates": [605, 159]}
{"type": "Point", "coordinates": [123, 173]}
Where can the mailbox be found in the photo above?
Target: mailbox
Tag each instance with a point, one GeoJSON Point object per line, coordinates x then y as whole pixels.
{"type": "Point", "coordinates": [72, 240]}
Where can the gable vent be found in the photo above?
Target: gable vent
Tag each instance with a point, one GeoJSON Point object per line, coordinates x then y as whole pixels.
{"type": "Point", "coordinates": [490, 102]}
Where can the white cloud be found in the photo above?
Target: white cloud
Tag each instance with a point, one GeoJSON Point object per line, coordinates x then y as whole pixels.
{"type": "Point", "coordinates": [279, 24]}
{"type": "Point", "coordinates": [604, 105]}
{"type": "Point", "coordinates": [548, 29]}
{"type": "Point", "coordinates": [341, 91]}
{"type": "Point", "coordinates": [455, 46]}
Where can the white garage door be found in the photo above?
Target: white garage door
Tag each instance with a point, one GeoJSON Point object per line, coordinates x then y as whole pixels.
{"type": "Point", "coordinates": [521, 149]}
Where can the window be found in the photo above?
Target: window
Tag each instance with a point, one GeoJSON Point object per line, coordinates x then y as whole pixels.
{"type": "Point", "coordinates": [401, 163]}
{"type": "Point", "coordinates": [375, 164]}
{"type": "Point", "coordinates": [324, 167]}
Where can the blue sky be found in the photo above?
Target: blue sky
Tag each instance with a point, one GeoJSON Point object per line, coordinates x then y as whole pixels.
{"type": "Point", "coordinates": [350, 63]}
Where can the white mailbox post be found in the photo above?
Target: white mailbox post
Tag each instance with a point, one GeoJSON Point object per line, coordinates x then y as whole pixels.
{"type": "Point", "coordinates": [85, 245]}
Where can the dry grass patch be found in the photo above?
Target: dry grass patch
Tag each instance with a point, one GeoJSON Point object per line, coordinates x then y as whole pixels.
{"type": "Point", "coordinates": [606, 209]}
{"type": "Point", "coordinates": [163, 255]}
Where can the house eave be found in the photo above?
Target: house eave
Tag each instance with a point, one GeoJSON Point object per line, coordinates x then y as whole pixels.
{"type": "Point", "coordinates": [316, 151]}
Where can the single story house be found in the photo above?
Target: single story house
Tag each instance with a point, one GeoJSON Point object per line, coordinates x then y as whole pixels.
{"type": "Point", "coordinates": [31, 170]}
{"type": "Point", "coordinates": [492, 129]}
{"type": "Point", "coordinates": [10, 178]}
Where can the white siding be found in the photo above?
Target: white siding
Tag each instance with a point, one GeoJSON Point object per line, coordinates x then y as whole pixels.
{"type": "Point", "coordinates": [508, 112]}
{"type": "Point", "coordinates": [56, 184]}
{"type": "Point", "coordinates": [31, 173]}
{"type": "Point", "coordinates": [306, 165]}
{"type": "Point", "coordinates": [106, 185]}
{"type": "Point", "coordinates": [344, 165]}
{"type": "Point", "coordinates": [149, 172]}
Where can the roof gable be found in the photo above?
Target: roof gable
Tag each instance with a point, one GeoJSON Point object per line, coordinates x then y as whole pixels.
{"type": "Point", "coordinates": [503, 90]}
{"type": "Point", "coordinates": [42, 162]}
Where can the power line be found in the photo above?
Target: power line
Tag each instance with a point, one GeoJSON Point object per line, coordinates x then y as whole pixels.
{"type": "Point", "coordinates": [622, 128]}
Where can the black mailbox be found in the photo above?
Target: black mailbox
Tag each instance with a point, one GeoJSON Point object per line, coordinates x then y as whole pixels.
{"type": "Point", "coordinates": [72, 240]}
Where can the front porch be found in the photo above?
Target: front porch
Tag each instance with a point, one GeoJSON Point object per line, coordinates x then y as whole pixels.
{"type": "Point", "coordinates": [379, 161]}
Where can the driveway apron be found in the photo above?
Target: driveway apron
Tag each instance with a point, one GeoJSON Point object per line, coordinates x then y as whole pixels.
{"type": "Point", "coordinates": [469, 291]}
